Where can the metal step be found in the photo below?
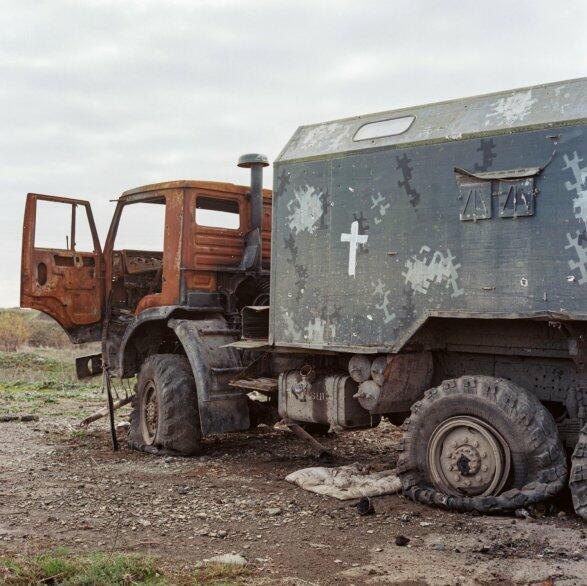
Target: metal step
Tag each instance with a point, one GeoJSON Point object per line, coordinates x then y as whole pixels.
{"type": "Point", "coordinates": [261, 384]}
{"type": "Point", "coordinates": [220, 332]}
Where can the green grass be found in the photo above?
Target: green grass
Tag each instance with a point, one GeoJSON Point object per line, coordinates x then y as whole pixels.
{"type": "Point", "coordinates": [64, 569]}
{"type": "Point", "coordinates": [38, 380]}
{"type": "Point", "coordinates": [95, 570]}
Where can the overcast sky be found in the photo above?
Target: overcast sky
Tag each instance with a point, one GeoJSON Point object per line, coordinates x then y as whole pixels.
{"type": "Point", "coordinates": [98, 96]}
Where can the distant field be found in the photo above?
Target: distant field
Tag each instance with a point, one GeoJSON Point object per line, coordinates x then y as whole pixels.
{"type": "Point", "coordinates": [33, 328]}
{"type": "Point", "coordinates": [42, 381]}
{"type": "Point", "coordinates": [37, 367]}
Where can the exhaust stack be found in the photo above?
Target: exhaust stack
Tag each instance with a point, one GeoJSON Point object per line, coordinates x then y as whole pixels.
{"type": "Point", "coordinates": [255, 162]}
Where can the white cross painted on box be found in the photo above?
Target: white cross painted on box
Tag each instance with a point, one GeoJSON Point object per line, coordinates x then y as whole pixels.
{"type": "Point", "coordinates": [354, 239]}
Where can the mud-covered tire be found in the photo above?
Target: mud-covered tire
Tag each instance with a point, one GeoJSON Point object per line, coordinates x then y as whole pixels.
{"type": "Point", "coordinates": [578, 477]}
{"type": "Point", "coordinates": [177, 429]}
{"type": "Point", "coordinates": [538, 463]}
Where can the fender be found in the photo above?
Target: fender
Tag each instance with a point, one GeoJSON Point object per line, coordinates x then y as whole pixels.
{"type": "Point", "coordinates": [222, 408]}
{"type": "Point", "coordinates": [151, 315]}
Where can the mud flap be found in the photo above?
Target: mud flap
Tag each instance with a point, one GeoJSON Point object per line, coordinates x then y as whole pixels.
{"type": "Point", "coordinates": [222, 408]}
{"type": "Point", "coordinates": [88, 366]}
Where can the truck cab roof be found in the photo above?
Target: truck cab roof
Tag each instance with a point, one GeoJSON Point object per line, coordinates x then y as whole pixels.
{"type": "Point", "coordinates": [189, 184]}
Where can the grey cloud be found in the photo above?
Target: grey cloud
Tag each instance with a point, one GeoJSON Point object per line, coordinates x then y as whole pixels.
{"type": "Point", "coordinates": [97, 96]}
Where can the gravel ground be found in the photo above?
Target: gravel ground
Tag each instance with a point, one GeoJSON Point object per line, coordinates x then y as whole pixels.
{"type": "Point", "coordinates": [62, 487]}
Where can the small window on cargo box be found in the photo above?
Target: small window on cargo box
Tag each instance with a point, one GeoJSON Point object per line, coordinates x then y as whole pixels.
{"type": "Point", "coordinates": [384, 128]}
{"type": "Point", "coordinates": [217, 213]}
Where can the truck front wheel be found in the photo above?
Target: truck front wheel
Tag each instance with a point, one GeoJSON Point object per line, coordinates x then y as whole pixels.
{"type": "Point", "coordinates": [165, 416]}
{"type": "Point", "coordinates": [481, 444]}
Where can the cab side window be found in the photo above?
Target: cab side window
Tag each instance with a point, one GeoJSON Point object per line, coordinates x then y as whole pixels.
{"type": "Point", "coordinates": [217, 213]}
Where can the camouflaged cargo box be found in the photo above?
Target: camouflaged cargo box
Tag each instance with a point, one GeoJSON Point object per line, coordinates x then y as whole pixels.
{"type": "Point", "coordinates": [468, 208]}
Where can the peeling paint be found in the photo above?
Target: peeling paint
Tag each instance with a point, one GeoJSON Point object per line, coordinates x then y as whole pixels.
{"type": "Point", "coordinates": [305, 210]}
{"type": "Point", "coordinates": [487, 150]}
{"type": "Point", "coordinates": [383, 293]}
{"type": "Point", "coordinates": [577, 244]}
{"type": "Point", "coordinates": [381, 205]}
{"type": "Point", "coordinates": [422, 270]}
{"type": "Point", "coordinates": [315, 330]}
{"type": "Point", "coordinates": [331, 135]}
{"type": "Point", "coordinates": [579, 186]}
{"type": "Point", "coordinates": [291, 331]}
{"type": "Point", "coordinates": [514, 108]}
{"type": "Point", "coordinates": [403, 164]}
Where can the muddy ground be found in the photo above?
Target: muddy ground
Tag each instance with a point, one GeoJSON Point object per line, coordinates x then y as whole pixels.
{"type": "Point", "coordinates": [64, 487]}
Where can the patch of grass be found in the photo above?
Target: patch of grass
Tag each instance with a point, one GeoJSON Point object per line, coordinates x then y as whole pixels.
{"type": "Point", "coordinates": [222, 575]}
{"type": "Point", "coordinates": [59, 567]}
{"type": "Point", "coordinates": [37, 379]}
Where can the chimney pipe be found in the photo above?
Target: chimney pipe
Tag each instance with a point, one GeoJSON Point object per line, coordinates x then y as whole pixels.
{"type": "Point", "coordinates": [255, 162]}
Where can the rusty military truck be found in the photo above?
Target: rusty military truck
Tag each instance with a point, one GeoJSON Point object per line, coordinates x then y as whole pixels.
{"type": "Point", "coordinates": [149, 302]}
{"type": "Point", "coordinates": [427, 265]}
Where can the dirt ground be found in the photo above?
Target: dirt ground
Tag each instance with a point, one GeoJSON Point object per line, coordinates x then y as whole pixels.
{"type": "Point", "coordinates": [63, 487]}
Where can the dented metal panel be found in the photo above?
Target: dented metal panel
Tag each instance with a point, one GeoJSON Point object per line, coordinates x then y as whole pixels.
{"type": "Point", "coordinates": [374, 242]}
{"type": "Point", "coordinates": [64, 283]}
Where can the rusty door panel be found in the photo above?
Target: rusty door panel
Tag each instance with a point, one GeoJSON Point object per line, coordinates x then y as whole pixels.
{"type": "Point", "coordinates": [200, 281]}
{"type": "Point", "coordinates": [63, 283]}
{"type": "Point", "coordinates": [266, 233]}
{"type": "Point", "coordinates": [174, 211]}
{"type": "Point", "coordinates": [214, 251]}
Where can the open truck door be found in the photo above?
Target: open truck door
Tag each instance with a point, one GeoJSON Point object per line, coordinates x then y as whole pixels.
{"type": "Point", "coordinates": [61, 270]}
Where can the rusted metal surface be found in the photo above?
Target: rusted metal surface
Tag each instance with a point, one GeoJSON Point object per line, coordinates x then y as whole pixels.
{"type": "Point", "coordinates": [261, 384]}
{"type": "Point", "coordinates": [74, 287]}
{"type": "Point", "coordinates": [255, 325]}
{"type": "Point", "coordinates": [322, 397]}
{"type": "Point", "coordinates": [392, 382]}
{"type": "Point", "coordinates": [63, 283]}
{"type": "Point", "coordinates": [221, 408]}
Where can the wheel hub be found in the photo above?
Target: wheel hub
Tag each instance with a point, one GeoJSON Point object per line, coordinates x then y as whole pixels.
{"type": "Point", "coordinates": [468, 457]}
{"type": "Point", "coordinates": [149, 414]}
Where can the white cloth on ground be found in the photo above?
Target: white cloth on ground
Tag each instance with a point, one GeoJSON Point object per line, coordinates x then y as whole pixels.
{"type": "Point", "coordinates": [346, 482]}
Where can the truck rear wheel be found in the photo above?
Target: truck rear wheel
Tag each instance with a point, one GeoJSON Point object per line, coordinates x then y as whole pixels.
{"type": "Point", "coordinates": [481, 444]}
{"type": "Point", "coordinates": [578, 482]}
{"type": "Point", "coordinates": [165, 416]}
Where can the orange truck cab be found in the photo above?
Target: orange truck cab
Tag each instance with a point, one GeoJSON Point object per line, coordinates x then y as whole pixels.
{"type": "Point", "coordinates": [212, 257]}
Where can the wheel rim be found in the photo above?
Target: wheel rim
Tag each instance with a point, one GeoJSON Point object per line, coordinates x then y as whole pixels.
{"type": "Point", "coordinates": [468, 457]}
{"type": "Point", "coordinates": [149, 414]}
